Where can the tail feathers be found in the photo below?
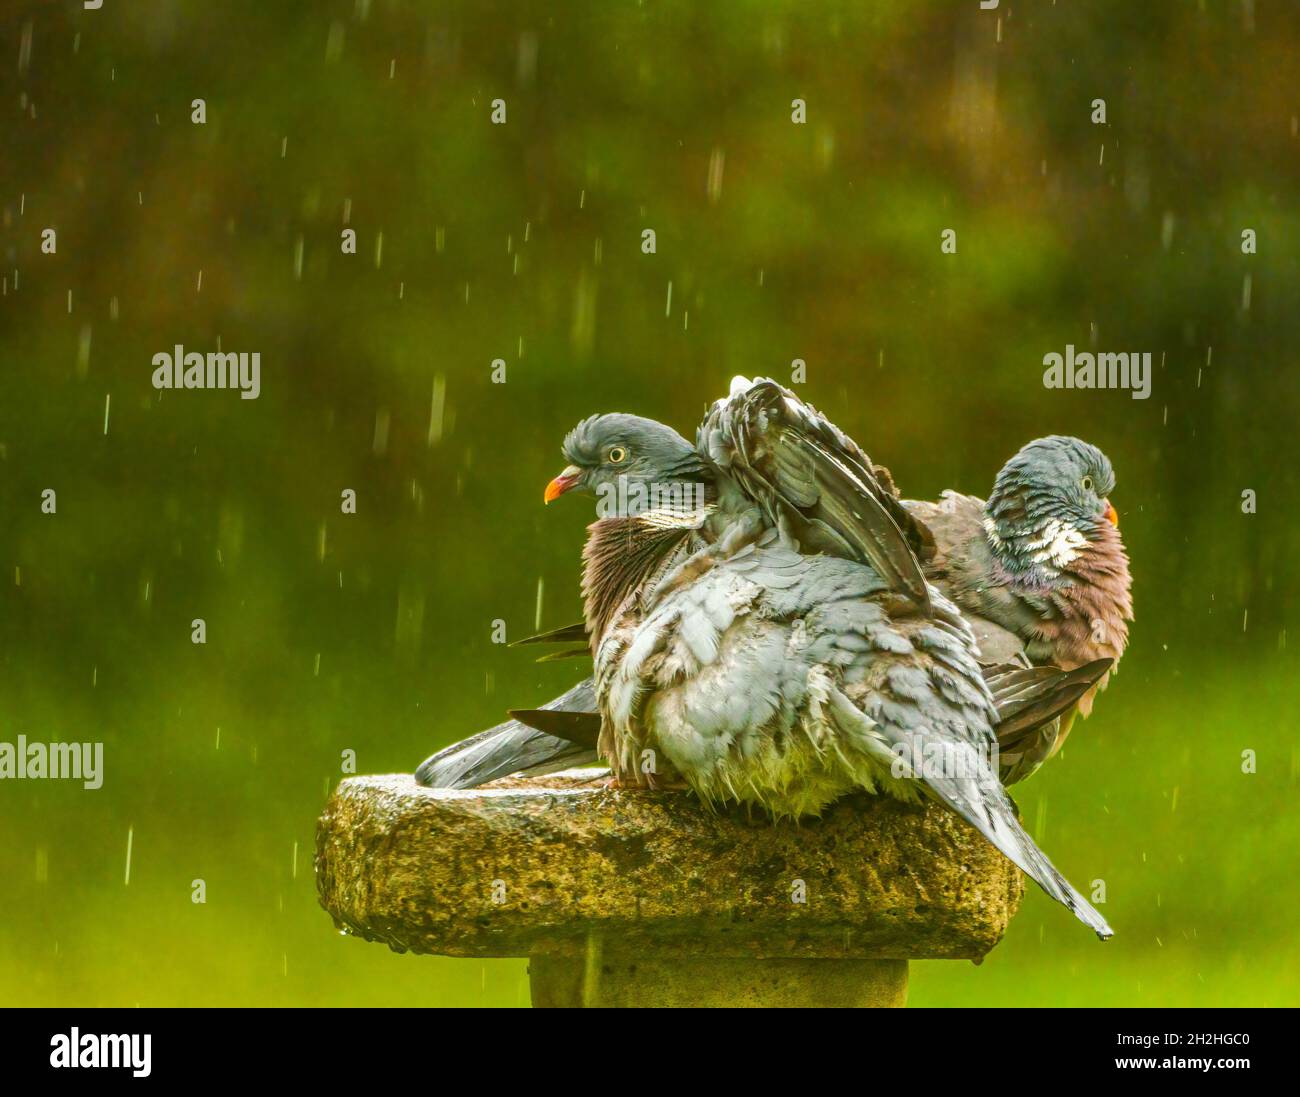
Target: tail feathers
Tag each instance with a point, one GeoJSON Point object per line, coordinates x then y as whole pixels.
{"type": "Point", "coordinates": [989, 810]}
{"type": "Point", "coordinates": [976, 795]}
{"type": "Point", "coordinates": [511, 747]}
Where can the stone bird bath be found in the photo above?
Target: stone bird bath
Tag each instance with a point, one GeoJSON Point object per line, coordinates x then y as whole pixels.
{"type": "Point", "coordinates": [637, 898]}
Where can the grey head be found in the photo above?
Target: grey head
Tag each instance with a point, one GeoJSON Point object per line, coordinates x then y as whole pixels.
{"type": "Point", "coordinates": [1050, 501]}
{"type": "Point", "coordinates": [630, 462]}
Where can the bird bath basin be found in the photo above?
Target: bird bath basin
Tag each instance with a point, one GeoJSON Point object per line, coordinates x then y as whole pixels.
{"type": "Point", "coordinates": [629, 897]}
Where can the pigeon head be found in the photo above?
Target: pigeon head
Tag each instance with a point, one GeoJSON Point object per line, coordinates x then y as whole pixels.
{"type": "Point", "coordinates": [1050, 501]}
{"type": "Point", "coordinates": [631, 464]}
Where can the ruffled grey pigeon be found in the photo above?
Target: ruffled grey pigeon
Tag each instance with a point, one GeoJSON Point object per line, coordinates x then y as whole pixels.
{"type": "Point", "coordinates": [1039, 571]}
{"type": "Point", "coordinates": [1051, 590]}
{"type": "Point", "coordinates": [761, 626]}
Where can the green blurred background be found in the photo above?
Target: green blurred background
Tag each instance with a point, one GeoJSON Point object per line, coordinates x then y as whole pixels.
{"type": "Point", "coordinates": [521, 242]}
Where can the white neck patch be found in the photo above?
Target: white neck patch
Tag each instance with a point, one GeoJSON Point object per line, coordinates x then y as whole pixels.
{"type": "Point", "coordinates": [1055, 546]}
{"type": "Point", "coordinates": [1058, 545]}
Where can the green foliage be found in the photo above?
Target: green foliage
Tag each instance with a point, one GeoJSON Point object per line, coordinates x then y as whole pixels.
{"type": "Point", "coordinates": [522, 242]}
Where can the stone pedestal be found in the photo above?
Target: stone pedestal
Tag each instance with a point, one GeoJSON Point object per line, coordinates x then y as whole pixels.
{"type": "Point", "coordinates": [732, 981]}
{"type": "Point", "coordinates": [636, 898]}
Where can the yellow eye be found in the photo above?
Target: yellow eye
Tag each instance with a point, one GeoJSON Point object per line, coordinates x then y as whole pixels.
{"type": "Point", "coordinates": [617, 455]}
{"type": "Point", "coordinates": [1086, 483]}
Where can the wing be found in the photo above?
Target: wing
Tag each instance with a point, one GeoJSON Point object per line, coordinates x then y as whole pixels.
{"type": "Point", "coordinates": [569, 634]}
{"type": "Point", "coordinates": [579, 728]}
{"type": "Point", "coordinates": [567, 653]}
{"type": "Point", "coordinates": [1035, 711]}
{"type": "Point", "coordinates": [512, 747]}
{"type": "Point", "coordinates": [807, 475]}
{"type": "Point", "coordinates": [575, 633]}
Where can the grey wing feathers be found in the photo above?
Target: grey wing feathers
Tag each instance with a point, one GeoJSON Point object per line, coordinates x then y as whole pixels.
{"type": "Point", "coordinates": [511, 747]}
{"type": "Point", "coordinates": [980, 800]}
{"type": "Point", "coordinates": [806, 474]}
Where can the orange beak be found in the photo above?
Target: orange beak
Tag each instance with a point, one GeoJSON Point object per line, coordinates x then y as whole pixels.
{"type": "Point", "coordinates": [566, 481]}
{"type": "Point", "coordinates": [1112, 515]}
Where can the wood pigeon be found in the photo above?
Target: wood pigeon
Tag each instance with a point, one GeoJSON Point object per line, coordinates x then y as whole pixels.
{"type": "Point", "coordinates": [1067, 609]}
{"type": "Point", "coordinates": [1040, 573]}
{"type": "Point", "coordinates": [761, 626]}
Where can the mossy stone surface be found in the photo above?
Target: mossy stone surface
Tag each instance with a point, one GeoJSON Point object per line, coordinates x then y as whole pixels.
{"type": "Point", "coordinates": [560, 865]}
